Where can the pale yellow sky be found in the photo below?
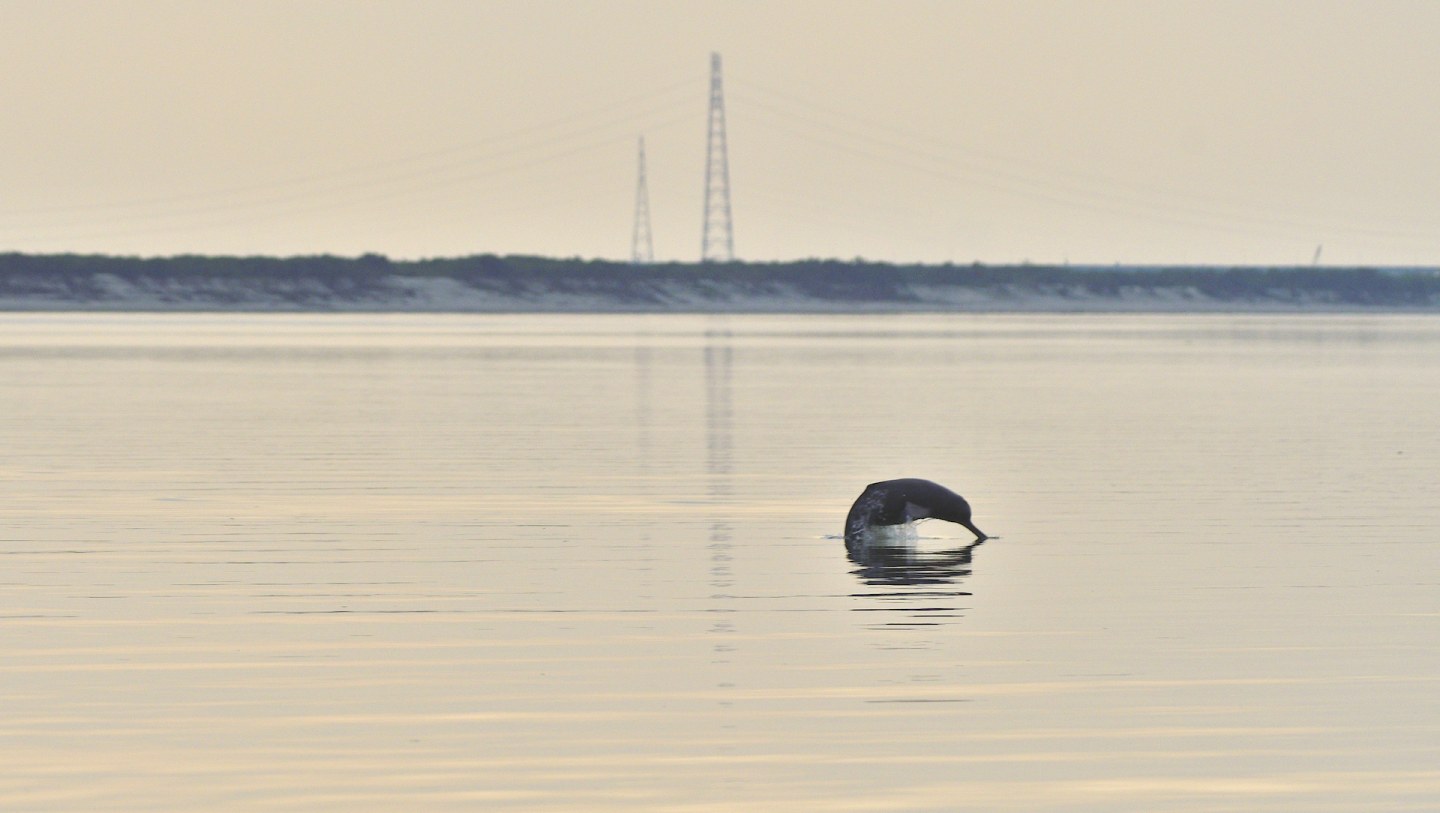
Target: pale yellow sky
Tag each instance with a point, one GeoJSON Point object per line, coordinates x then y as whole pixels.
{"type": "Point", "coordinates": [1205, 132]}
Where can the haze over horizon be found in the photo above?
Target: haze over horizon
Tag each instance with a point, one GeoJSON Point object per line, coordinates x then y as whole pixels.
{"type": "Point", "coordinates": [1131, 132]}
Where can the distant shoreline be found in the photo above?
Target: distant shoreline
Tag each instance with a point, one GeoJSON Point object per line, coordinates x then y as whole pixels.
{"type": "Point", "coordinates": [521, 284]}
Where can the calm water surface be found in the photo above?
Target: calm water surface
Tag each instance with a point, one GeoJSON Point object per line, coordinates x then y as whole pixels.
{"type": "Point", "coordinates": [591, 563]}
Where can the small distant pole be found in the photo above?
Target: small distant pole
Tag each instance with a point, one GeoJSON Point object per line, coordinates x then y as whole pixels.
{"type": "Point", "coordinates": [642, 248]}
{"type": "Point", "coordinates": [1316, 259]}
{"type": "Point", "coordinates": [717, 241]}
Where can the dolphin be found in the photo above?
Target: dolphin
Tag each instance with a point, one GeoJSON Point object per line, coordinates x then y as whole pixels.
{"type": "Point", "coordinates": [899, 502]}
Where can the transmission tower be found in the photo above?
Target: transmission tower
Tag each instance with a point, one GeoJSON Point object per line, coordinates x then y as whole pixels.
{"type": "Point", "coordinates": [717, 243]}
{"type": "Point", "coordinates": [642, 249]}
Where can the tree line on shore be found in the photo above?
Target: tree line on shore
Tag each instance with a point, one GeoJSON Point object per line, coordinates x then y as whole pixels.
{"type": "Point", "coordinates": [857, 280]}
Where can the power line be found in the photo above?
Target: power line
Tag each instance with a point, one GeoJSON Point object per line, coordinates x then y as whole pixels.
{"type": "Point", "coordinates": [944, 160]}
{"type": "Point", "coordinates": [431, 162]}
{"type": "Point", "coordinates": [347, 189]}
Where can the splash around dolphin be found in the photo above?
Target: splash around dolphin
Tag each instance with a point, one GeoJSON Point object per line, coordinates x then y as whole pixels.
{"type": "Point", "coordinates": [889, 503]}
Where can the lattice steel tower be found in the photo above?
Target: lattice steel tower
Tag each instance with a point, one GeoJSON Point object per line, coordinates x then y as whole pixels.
{"type": "Point", "coordinates": [642, 248]}
{"type": "Point", "coordinates": [717, 243]}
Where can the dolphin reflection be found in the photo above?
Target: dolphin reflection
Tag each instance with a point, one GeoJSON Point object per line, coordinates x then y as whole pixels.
{"type": "Point", "coordinates": [884, 565]}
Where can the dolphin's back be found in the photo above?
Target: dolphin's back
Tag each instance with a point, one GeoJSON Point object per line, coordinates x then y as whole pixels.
{"type": "Point", "coordinates": [896, 502]}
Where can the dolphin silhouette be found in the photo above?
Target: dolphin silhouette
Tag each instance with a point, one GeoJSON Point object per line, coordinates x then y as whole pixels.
{"type": "Point", "coordinates": [897, 502]}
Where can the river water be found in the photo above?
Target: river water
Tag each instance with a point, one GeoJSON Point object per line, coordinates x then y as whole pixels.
{"type": "Point", "coordinates": [592, 563]}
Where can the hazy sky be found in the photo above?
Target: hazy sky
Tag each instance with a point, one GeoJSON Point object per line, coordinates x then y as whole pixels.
{"type": "Point", "coordinates": [1205, 132]}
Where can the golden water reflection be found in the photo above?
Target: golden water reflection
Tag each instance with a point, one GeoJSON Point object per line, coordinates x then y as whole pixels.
{"type": "Point", "coordinates": [588, 563]}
